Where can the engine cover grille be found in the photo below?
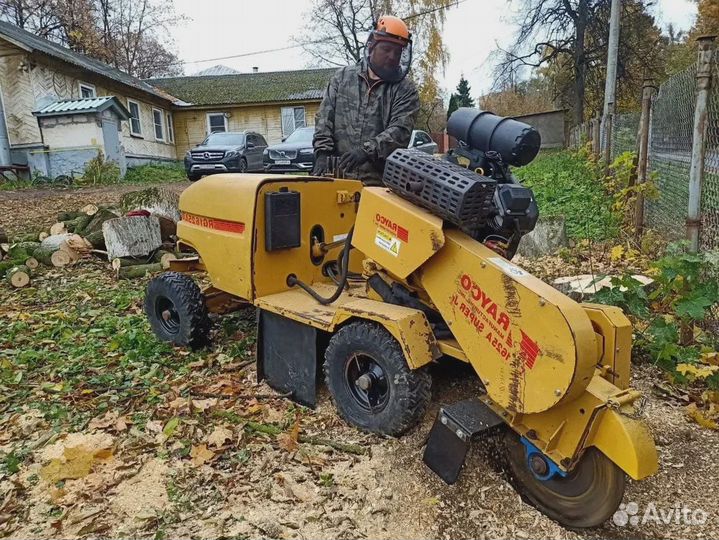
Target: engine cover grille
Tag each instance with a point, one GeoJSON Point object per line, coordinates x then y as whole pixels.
{"type": "Point", "coordinates": [447, 190]}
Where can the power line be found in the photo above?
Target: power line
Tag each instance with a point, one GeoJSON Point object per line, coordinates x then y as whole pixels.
{"type": "Point", "coordinates": [315, 42]}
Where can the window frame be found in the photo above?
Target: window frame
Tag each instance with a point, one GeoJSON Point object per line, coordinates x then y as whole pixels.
{"type": "Point", "coordinates": [170, 127]}
{"type": "Point", "coordinates": [294, 119]}
{"type": "Point", "coordinates": [131, 102]}
{"type": "Point", "coordinates": [87, 86]}
{"type": "Point", "coordinates": [162, 124]}
{"type": "Point", "coordinates": [209, 125]}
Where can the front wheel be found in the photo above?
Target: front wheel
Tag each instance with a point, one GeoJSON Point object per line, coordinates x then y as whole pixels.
{"type": "Point", "coordinates": [175, 307]}
{"type": "Point", "coordinates": [243, 165]}
{"type": "Point", "coordinates": [370, 382]}
{"type": "Point", "coordinates": [586, 497]}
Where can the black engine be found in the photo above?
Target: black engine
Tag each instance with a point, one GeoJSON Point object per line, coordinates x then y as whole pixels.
{"type": "Point", "coordinates": [474, 188]}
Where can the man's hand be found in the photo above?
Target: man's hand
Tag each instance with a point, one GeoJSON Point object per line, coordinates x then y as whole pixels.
{"type": "Point", "coordinates": [353, 159]}
{"type": "Point", "coordinates": [321, 165]}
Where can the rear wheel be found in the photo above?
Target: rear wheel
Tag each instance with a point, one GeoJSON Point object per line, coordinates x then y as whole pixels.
{"type": "Point", "coordinates": [371, 384]}
{"type": "Point", "coordinates": [175, 307]}
{"type": "Point", "coordinates": [586, 497]}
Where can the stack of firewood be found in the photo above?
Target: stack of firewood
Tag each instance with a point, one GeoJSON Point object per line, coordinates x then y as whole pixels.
{"type": "Point", "coordinates": [136, 237]}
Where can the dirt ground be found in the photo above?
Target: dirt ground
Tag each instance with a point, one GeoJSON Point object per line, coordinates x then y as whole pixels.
{"type": "Point", "coordinates": [259, 487]}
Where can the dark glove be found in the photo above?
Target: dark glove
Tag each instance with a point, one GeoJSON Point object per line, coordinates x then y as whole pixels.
{"type": "Point", "coordinates": [321, 165]}
{"type": "Point", "coordinates": [351, 160]}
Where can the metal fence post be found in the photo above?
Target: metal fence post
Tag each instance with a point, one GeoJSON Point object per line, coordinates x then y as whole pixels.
{"type": "Point", "coordinates": [596, 136]}
{"type": "Point", "coordinates": [648, 90]}
{"type": "Point", "coordinates": [696, 170]}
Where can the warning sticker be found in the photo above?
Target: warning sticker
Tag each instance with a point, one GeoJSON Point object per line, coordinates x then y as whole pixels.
{"type": "Point", "coordinates": [387, 242]}
{"type": "Point", "coordinates": [508, 267]}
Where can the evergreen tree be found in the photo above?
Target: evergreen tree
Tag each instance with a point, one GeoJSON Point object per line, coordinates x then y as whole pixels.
{"type": "Point", "coordinates": [461, 98]}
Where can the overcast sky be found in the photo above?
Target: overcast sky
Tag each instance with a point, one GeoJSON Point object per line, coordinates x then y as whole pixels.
{"type": "Point", "coordinates": [219, 28]}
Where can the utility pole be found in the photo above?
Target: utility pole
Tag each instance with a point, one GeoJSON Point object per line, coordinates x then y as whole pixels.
{"type": "Point", "coordinates": [610, 87]}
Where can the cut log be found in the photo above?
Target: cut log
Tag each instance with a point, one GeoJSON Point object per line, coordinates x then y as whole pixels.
{"type": "Point", "coordinates": [164, 257]}
{"type": "Point", "coordinates": [7, 265]}
{"type": "Point", "coordinates": [22, 250]}
{"type": "Point", "coordinates": [42, 236]}
{"type": "Point", "coordinates": [53, 256]}
{"type": "Point", "coordinates": [58, 228]}
{"type": "Point", "coordinates": [4, 247]}
{"type": "Point", "coordinates": [32, 263]}
{"type": "Point", "coordinates": [18, 276]}
{"type": "Point", "coordinates": [123, 262]}
{"type": "Point", "coordinates": [140, 270]}
{"type": "Point", "coordinates": [78, 224]}
{"type": "Point", "coordinates": [158, 201]}
{"type": "Point", "coordinates": [53, 242]}
{"type": "Point", "coordinates": [78, 243]}
{"type": "Point", "coordinates": [96, 239]}
{"type": "Point", "coordinates": [67, 216]}
{"type": "Point", "coordinates": [26, 237]}
{"type": "Point", "coordinates": [89, 209]}
{"type": "Point", "coordinates": [95, 224]}
{"type": "Point", "coordinates": [131, 236]}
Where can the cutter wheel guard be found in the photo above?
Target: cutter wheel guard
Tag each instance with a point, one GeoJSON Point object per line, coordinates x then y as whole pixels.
{"type": "Point", "coordinates": [368, 286]}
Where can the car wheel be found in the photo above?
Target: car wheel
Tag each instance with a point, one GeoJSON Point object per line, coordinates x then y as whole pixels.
{"type": "Point", "coordinates": [243, 165]}
{"type": "Point", "coordinates": [194, 177]}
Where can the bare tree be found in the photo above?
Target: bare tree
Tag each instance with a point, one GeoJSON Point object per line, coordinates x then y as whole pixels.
{"type": "Point", "coordinates": [127, 34]}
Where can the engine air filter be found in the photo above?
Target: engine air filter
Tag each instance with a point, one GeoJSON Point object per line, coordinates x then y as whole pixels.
{"type": "Point", "coordinates": [447, 190]}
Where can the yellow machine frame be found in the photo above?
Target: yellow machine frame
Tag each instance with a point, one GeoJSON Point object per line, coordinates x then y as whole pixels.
{"type": "Point", "coordinates": [556, 371]}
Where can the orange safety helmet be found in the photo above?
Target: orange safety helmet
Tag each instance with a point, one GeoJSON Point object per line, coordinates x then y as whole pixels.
{"type": "Point", "coordinates": [393, 29]}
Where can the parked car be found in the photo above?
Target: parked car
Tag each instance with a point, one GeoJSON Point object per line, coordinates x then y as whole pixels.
{"type": "Point", "coordinates": [293, 154]}
{"type": "Point", "coordinates": [422, 141]}
{"type": "Point", "coordinates": [226, 152]}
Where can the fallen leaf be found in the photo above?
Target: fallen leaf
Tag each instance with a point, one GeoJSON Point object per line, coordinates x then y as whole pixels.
{"type": "Point", "coordinates": [698, 371]}
{"type": "Point", "coordinates": [76, 462]}
{"type": "Point", "coordinates": [697, 415]}
{"type": "Point", "coordinates": [218, 437]}
{"type": "Point", "coordinates": [121, 423]}
{"type": "Point", "coordinates": [201, 454]}
{"type": "Point", "coordinates": [204, 404]}
{"type": "Point", "coordinates": [616, 253]}
{"type": "Point", "coordinates": [289, 441]}
{"type": "Point", "coordinates": [170, 427]}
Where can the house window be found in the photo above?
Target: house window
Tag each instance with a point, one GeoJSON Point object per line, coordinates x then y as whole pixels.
{"type": "Point", "coordinates": [292, 118]}
{"type": "Point", "coordinates": [216, 123]}
{"type": "Point", "coordinates": [159, 124]}
{"type": "Point", "coordinates": [170, 129]}
{"type": "Point", "coordinates": [87, 91]}
{"type": "Point", "coordinates": [135, 122]}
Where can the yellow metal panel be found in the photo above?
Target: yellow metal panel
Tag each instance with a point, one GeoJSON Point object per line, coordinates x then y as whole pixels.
{"type": "Point", "coordinates": [627, 442]}
{"type": "Point", "coordinates": [217, 221]}
{"type": "Point", "coordinates": [395, 233]}
{"type": "Point", "coordinates": [408, 326]}
{"type": "Point", "coordinates": [318, 206]}
{"type": "Point", "coordinates": [615, 328]}
{"type": "Point", "coordinates": [532, 346]}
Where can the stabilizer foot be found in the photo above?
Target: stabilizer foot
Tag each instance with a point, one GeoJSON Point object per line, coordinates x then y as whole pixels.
{"type": "Point", "coordinates": [454, 429]}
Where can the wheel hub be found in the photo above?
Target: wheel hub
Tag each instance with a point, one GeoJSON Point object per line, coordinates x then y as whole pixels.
{"type": "Point", "coordinates": [367, 382]}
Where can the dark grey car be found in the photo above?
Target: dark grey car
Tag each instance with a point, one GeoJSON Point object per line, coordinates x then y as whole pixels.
{"type": "Point", "coordinates": [226, 152]}
{"type": "Point", "coordinates": [422, 141]}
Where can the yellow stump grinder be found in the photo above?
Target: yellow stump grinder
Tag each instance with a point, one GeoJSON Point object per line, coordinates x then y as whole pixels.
{"type": "Point", "coordinates": [374, 284]}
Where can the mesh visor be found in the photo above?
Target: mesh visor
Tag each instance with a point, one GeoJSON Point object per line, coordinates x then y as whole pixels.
{"type": "Point", "coordinates": [388, 57]}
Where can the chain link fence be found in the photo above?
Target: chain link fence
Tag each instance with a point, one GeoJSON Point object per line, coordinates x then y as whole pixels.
{"type": "Point", "coordinates": [670, 150]}
{"type": "Point", "coordinates": [671, 127]}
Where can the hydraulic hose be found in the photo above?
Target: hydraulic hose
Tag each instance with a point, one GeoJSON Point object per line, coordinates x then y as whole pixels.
{"type": "Point", "coordinates": [292, 279]}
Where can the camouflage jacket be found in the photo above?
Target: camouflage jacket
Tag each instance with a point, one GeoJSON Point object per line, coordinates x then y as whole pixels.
{"type": "Point", "coordinates": [376, 115]}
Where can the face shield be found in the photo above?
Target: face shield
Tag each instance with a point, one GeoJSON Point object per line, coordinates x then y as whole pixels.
{"type": "Point", "coordinates": [388, 57]}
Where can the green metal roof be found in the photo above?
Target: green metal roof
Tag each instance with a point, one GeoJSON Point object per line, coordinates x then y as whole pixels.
{"type": "Point", "coordinates": [247, 88]}
{"type": "Point", "coordinates": [66, 107]}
